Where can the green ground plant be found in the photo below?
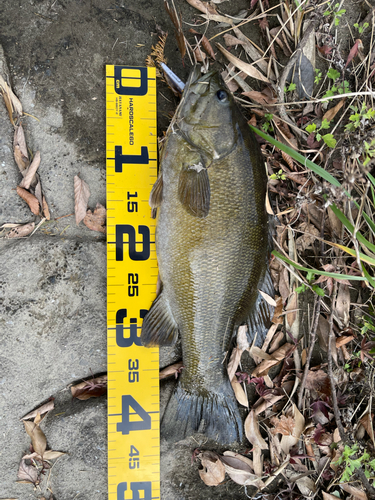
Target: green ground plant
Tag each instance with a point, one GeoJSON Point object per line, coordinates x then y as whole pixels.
{"type": "Point", "coordinates": [334, 11]}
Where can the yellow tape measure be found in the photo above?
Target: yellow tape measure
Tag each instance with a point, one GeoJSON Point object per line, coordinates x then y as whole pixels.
{"type": "Point", "coordinates": [133, 370]}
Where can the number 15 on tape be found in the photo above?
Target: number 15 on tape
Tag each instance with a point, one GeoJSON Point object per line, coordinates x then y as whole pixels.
{"type": "Point", "coordinates": [133, 370]}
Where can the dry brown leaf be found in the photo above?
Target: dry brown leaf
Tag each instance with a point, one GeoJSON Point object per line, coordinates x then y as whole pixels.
{"type": "Point", "coordinates": [177, 22]}
{"type": "Point", "coordinates": [213, 472]}
{"type": "Point", "coordinates": [42, 409]}
{"type": "Point", "coordinates": [231, 40]}
{"type": "Point", "coordinates": [239, 471]}
{"type": "Point", "coordinates": [95, 221]}
{"type": "Point", "coordinates": [367, 422]}
{"type": "Point", "coordinates": [11, 101]}
{"type": "Point", "coordinates": [334, 222]}
{"type": "Point", "coordinates": [30, 199]}
{"type": "Point", "coordinates": [239, 393]}
{"type": "Point", "coordinates": [270, 300]}
{"type": "Point", "coordinates": [306, 486]}
{"type": "Point", "coordinates": [277, 319]}
{"type": "Point", "coordinates": [289, 160]}
{"type": "Point", "coordinates": [328, 496]}
{"type": "Point", "coordinates": [254, 54]}
{"type": "Point", "coordinates": [318, 381]}
{"type": "Point", "coordinates": [92, 388]}
{"type": "Point", "coordinates": [260, 97]}
{"type": "Point", "coordinates": [307, 239]}
{"type": "Point", "coordinates": [342, 304]}
{"type": "Point", "coordinates": [287, 442]}
{"type": "Point", "coordinates": [247, 461]}
{"type": "Point", "coordinates": [331, 113]}
{"type": "Point", "coordinates": [292, 306]}
{"type": "Point", "coordinates": [249, 69]}
{"type": "Point", "coordinates": [355, 492]}
{"type": "Point", "coordinates": [282, 425]}
{"type": "Point", "coordinates": [252, 431]}
{"type": "Point", "coordinates": [205, 43]}
{"type": "Point", "coordinates": [46, 213]}
{"type": "Point", "coordinates": [37, 189]}
{"type": "Point", "coordinates": [199, 55]}
{"type": "Point", "coordinates": [343, 340]}
{"type": "Point", "coordinates": [38, 439]}
{"type": "Point", "coordinates": [27, 473]}
{"type": "Point", "coordinates": [277, 356]}
{"type": "Point", "coordinates": [20, 149]}
{"type": "Point", "coordinates": [21, 231]}
{"type": "Point", "coordinates": [258, 461]}
{"type": "Point", "coordinates": [81, 197]}
{"type": "Point", "coordinates": [234, 361]}
{"type": "Point", "coordinates": [204, 7]}
{"type": "Point", "coordinates": [171, 370]}
{"type": "Point", "coordinates": [258, 354]}
{"type": "Point", "coordinates": [29, 174]}
{"type": "Point", "coordinates": [52, 455]}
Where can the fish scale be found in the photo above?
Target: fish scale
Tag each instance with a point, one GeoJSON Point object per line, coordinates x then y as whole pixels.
{"type": "Point", "coordinates": [212, 245]}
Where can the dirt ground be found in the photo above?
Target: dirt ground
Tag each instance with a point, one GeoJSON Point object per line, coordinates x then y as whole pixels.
{"type": "Point", "coordinates": [53, 294]}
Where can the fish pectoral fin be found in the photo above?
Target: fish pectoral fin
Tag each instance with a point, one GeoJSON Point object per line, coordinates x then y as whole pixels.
{"type": "Point", "coordinates": [156, 195]}
{"type": "Point", "coordinates": [159, 326]}
{"type": "Point", "coordinates": [260, 319]}
{"type": "Point", "coordinates": [194, 190]}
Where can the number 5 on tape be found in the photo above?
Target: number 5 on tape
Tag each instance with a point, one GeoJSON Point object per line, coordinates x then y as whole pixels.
{"type": "Point", "coordinates": [133, 370]}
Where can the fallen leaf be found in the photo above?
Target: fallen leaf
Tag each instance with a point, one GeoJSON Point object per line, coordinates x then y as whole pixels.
{"type": "Point", "coordinates": [287, 442]}
{"type": "Point", "coordinates": [243, 66]}
{"type": "Point", "coordinates": [270, 300]}
{"type": "Point", "coordinates": [318, 381]}
{"type": "Point", "coordinates": [231, 40]}
{"type": "Point", "coordinates": [30, 199]}
{"type": "Point", "coordinates": [90, 388]}
{"type": "Point", "coordinates": [239, 471]}
{"type": "Point", "coordinates": [367, 422]}
{"type": "Point", "coordinates": [205, 43]}
{"type": "Point", "coordinates": [21, 231]}
{"type": "Point", "coordinates": [27, 473]}
{"type": "Point", "coordinates": [233, 363]}
{"type": "Point", "coordinates": [42, 409]}
{"type": "Point", "coordinates": [95, 221]}
{"type": "Point", "coordinates": [178, 33]}
{"type": "Point", "coordinates": [355, 492]}
{"type": "Point", "coordinates": [20, 149]}
{"type": "Point", "coordinates": [292, 306]}
{"type": "Point", "coordinates": [277, 356]}
{"type": "Point", "coordinates": [29, 174]}
{"type": "Point", "coordinates": [342, 304]}
{"type": "Point", "coordinates": [328, 496]}
{"type": "Point", "coordinates": [171, 370]}
{"type": "Point", "coordinates": [260, 97]}
{"type": "Point", "coordinates": [353, 51]}
{"type": "Point", "coordinates": [38, 439]}
{"type": "Point", "coordinates": [277, 318]}
{"type": "Point", "coordinates": [252, 431]}
{"type": "Point", "coordinates": [308, 238]}
{"type": "Point", "coordinates": [81, 197]}
{"type": "Point", "coordinates": [331, 113]}
{"type": "Point", "coordinates": [306, 486]}
{"type": "Point", "coordinates": [247, 461]}
{"type": "Point", "coordinates": [213, 472]}
{"type": "Point", "coordinates": [52, 455]}
{"type": "Point", "coordinates": [239, 393]}
{"type": "Point", "coordinates": [46, 209]}
{"type": "Point", "coordinates": [204, 7]}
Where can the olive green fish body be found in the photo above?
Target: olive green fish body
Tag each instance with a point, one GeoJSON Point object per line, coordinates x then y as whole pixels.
{"type": "Point", "coordinates": [212, 257]}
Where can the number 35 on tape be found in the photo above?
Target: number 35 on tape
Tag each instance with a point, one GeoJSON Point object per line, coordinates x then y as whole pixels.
{"type": "Point", "coordinates": [133, 370]}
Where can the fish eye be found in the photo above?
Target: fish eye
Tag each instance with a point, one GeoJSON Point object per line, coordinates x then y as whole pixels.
{"type": "Point", "coordinates": [221, 95]}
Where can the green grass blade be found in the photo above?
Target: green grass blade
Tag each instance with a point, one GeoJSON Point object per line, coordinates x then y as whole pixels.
{"type": "Point", "coordinates": [371, 177]}
{"type": "Point", "coordinates": [298, 157]}
{"type": "Point", "coordinates": [369, 278]}
{"type": "Point", "coordinates": [316, 271]}
{"type": "Point", "coordinates": [349, 226]}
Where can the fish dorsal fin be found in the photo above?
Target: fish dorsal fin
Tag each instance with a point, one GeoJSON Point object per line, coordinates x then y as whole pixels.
{"type": "Point", "coordinates": [156, 195]}
{"type": "Point", "coordinates": [159, 326]}
{"type": "Point", "coordinates": [194, 190]}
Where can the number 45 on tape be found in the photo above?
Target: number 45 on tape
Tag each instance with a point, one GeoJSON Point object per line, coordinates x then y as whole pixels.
{"type": "Point", "coordinates": [133, 370]}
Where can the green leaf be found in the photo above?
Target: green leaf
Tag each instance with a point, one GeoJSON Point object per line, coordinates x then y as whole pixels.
{"type": "Point", "coordinates": [325, 124]}
{"type": "Point", "coordinates": [318, 290]}
{"type": "Point", "coordinates": [329, 140]}
{"type": "Point", "coordinates": [316, 271]}
{"type": "Point", "coordinates": [311, 128]}
{"type": "Point", "coordinates": [333, 74]}
{"type": "Point", "coordinates": [298, 157]}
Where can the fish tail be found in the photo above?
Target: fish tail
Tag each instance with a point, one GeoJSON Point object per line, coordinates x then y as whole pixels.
{"type": "Point", "coordinates": [215, 414]}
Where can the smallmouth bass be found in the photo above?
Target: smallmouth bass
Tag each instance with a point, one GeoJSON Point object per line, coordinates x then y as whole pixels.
{"type": "Point", "coordinates": [212, 249]}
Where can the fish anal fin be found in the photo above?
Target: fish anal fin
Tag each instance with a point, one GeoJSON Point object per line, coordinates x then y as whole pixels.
{"type": "Point", "coordinates": [194, 190]}
{"type": "Point", "coordinates": [260, 318]}
{"type": "Point", "coordinates": [156, 195]}
{"type": "Point", "coordinates": [159, 326]}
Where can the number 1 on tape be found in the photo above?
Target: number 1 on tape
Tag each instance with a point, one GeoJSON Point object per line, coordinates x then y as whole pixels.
{"type": "Point", "coordinates": [133, 370]}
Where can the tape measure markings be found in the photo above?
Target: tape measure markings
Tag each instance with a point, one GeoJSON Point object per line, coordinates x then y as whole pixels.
{"type": "Point", "coordinates": [133, 409]}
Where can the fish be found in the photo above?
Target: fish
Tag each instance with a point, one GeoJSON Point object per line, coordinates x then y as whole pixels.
{"type": "Point", "coordinates": [212, 245]}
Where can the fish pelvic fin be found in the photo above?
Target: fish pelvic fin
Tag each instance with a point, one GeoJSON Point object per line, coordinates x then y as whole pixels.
{"type": "Point", "coordinates": [215, 414]}
{"type": "Point", "coordinates": [260, 319]}
{"type": "Point", "coordinates": [156, 195]}
{"type": "Point", "coordinates": [159, 326]}
{"type": "Point", "coordinates": [194, 190]}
